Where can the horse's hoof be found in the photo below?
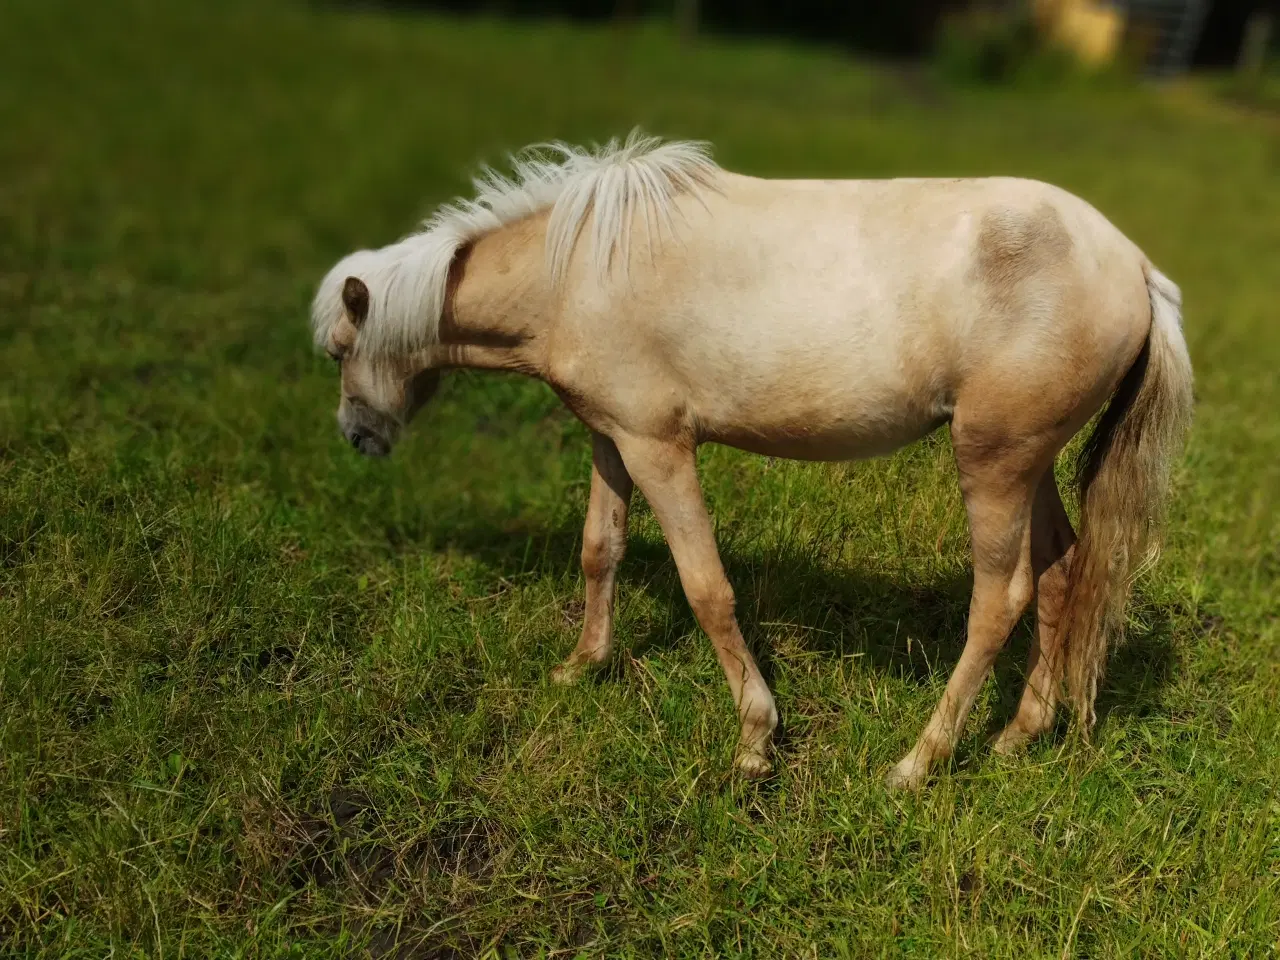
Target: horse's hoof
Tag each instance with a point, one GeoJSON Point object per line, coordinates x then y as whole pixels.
{"type": "Point", "coordinates": [753, 764]}
{"type": "Point", "coordinates": [567, 674]}
{"type": "Point", "coordinates": [1009, 741]}
{"type": "Point", "coordinates": [1016, 736]}
{"type": "Point", "coordinates": [571, 671]}
{"type": "Point", "coordinates": [907, 775]}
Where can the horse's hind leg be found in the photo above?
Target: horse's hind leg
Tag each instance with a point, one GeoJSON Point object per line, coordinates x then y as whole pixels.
{"type": "Point", "coordinates": [604, 541]}
{"type": "Point", "coordinates": [1052, 547]}
{"type": "Point", "coordinates": [998, 477]}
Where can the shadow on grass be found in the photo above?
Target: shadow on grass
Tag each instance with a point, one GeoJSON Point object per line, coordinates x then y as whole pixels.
{"type": "Point", "coordinates": [912, 630]}
{"type": "Point", "coordinates": [838, 612]}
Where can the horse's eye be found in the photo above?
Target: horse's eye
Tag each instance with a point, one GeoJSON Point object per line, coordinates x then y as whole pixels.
{"type": "Point", "coordinates": [335, 357]}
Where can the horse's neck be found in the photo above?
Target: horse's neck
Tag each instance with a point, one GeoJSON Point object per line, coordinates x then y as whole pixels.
{"type": "Point", "coordinates": [498, 308]}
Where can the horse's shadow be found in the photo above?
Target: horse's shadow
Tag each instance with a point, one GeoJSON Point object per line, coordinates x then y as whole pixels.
{"type": "Point", "coordinates": [911, 629]}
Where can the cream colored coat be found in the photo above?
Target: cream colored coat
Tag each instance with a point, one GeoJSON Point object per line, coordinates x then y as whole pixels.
{"type": "Point", "coordinates": [672, 303]}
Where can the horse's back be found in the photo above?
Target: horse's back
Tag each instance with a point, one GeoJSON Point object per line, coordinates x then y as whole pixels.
{"type": "Point", "coordinates": [830, 319]}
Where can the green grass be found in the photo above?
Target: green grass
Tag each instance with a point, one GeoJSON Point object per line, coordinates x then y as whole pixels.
{"type": "Point", "coordinates": [260, 697]}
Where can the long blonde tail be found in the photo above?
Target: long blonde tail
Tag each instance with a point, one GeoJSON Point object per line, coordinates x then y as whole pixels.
{"type": "Point", "coordinates": [1123, 475]}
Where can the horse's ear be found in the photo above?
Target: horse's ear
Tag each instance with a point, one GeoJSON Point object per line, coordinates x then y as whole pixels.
{"type": "Point", "coordinates": [355, 297]}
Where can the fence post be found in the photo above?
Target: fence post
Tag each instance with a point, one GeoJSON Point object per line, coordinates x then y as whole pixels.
{"type": "Point", "coordinates": [687, 20]}
{"type": "Point", "coordinates": [1257, 36]}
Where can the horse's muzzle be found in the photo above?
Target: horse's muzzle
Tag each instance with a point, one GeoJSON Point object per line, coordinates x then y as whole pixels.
{"type": "Point", "coordinates": [368, 443]}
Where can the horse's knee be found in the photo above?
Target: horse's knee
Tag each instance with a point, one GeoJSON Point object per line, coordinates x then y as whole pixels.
{"type": "Point", "coordinates": [601, 555]}
{"type": "Point", "coordinates": [713, 605]}
{"type": "Point", "coordinates": [595, 559]}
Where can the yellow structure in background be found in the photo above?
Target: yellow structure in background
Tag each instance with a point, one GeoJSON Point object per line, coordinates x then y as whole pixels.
{"type": "Point", "coordinates": [1091, 29]}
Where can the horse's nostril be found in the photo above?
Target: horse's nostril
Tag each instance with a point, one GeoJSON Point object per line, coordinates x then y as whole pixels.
{"type": "Point", "coordinates": [368, 442]}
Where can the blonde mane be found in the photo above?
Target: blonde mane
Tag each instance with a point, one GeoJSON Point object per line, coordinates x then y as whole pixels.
{"type": "Point", "coordinates": [611, 186]}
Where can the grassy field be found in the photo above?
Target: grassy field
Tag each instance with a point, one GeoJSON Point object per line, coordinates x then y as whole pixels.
{"type": "Point", "coordinates": [262, 698]}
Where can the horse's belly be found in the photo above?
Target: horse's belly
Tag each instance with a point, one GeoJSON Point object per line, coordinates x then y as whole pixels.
{"type": "Point", "coordinates": [827, 369]}
{"type": "Point", "coordinates": [834, 431]}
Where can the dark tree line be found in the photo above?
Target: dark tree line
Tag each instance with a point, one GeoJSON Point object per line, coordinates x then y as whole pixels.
{"type": "Point", "coordinates": [886, 27]}
{"type": "Point", "coordinates": [896, 27]}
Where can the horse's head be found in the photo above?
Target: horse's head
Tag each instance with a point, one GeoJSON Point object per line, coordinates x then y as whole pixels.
{"type": "Point", "coordinates": [379, 395]}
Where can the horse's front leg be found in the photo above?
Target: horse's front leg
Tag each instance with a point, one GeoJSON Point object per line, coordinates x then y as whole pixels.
{"type": "Point", "coordinates": [667, 475]}
{"type": "Point", "coordinates": [604, 541]}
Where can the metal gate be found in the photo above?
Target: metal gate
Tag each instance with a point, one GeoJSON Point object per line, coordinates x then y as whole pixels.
{"type": "Point", "coordinates": [1167, 31]}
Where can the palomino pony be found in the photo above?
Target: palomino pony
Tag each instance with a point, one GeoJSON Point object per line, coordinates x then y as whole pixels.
{"type": "Point", "coordinates": [670, 303]}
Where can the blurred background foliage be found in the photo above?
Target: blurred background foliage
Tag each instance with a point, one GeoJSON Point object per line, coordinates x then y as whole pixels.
{"type": "Point", "coordinates": [1202, 33]}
